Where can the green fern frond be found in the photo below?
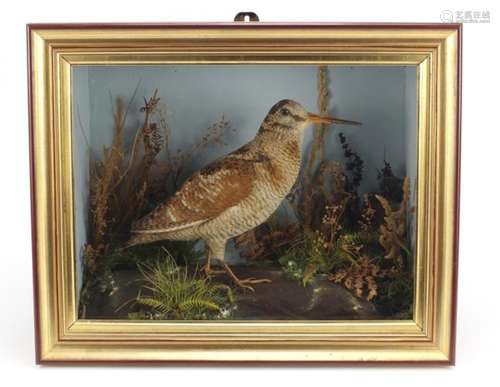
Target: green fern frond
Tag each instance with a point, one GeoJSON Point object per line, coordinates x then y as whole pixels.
{"type": "Point", "coordinates": [194, 303]}
{"type": "Point", "coordinates": [176, 293]}
{"type": "Point", "coordinates": [155, 304]}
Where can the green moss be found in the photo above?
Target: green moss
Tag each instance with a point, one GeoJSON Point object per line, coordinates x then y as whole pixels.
{"type": "Point", "coordinates": [184, 253]}
{"type": "Point", "coordinates": [315, 256]}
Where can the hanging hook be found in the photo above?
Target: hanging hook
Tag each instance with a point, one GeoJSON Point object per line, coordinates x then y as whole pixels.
{"type": "Point", "coordinates": [246, 17]}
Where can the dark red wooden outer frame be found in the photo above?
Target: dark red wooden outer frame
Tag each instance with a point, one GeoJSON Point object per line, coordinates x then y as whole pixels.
{"type": "Point", "coordinates": [458, 27]}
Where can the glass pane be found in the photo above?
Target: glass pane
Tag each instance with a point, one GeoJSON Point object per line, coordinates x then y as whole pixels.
{"type": "Point", "coordinates": [172, 159]}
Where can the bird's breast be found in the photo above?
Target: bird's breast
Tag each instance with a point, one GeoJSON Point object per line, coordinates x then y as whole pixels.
{"type": "Point", "coordinates": [283, 167]}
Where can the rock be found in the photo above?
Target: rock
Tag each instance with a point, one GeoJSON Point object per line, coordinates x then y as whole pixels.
{"type": "Point", "coordinates": [282, 299]}
{"type": "Point", "coordinates": [287, 299]}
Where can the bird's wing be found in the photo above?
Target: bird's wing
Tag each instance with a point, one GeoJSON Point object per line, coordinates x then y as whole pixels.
{"type": "Point", "coordinates": [202, 197]}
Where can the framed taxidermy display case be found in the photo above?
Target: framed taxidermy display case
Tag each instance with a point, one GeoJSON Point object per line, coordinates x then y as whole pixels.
{"type": "Point", "coordinates": [245, 192]}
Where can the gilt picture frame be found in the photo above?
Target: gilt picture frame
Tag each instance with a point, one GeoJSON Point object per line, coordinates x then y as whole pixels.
{"type": "Point", "coordinates": [76, 69]}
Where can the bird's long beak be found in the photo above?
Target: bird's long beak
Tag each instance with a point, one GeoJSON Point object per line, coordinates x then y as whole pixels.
{"type": "Point", "coordinates": [316, 119]}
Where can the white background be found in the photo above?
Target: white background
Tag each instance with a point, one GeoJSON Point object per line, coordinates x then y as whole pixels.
{"type": "Point", "coordinates": [478, 339]}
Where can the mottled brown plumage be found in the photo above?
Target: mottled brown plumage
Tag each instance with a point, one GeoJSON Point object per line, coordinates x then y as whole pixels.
{"type": "Point", "coordinates": [236, 192]}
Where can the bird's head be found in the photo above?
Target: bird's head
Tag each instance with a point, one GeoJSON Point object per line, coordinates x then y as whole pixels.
{"type": "Point", "coordinates": [288, 115]}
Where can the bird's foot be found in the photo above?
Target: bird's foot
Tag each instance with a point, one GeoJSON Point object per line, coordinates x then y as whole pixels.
{"type": "Point", "coordinates": [244, 283]}
{"type": "Point", "coordinates": [247, 282]}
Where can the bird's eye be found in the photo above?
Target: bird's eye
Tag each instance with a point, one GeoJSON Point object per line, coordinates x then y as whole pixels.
{"type": "Point", "coordinates": [285, 112]}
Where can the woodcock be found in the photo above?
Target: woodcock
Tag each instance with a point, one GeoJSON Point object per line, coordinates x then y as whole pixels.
{"type": "Point", "coordinates": [236, 192]}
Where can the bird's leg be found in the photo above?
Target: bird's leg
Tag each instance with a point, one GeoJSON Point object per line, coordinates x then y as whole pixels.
{"type": "Point", "coordinates": [213, 249]}
{"type": "Point", "coordinates": [216, 251]}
